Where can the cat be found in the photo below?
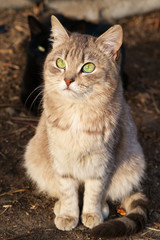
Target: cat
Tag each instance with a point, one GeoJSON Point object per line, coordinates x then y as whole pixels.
{"type": "Point", "coordinates": [86, 136]}
{"type": "Point", "coordinates": [38, 48]}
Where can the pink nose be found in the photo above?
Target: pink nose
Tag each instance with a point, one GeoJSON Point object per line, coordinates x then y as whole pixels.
{"type": "Point", "coordinates": [68, 81]}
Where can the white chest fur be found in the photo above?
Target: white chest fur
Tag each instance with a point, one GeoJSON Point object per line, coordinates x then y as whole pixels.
{"type": "Point", "coordinates": [76, 142]}
{"type": "Point", "coordinates": [77, 153]}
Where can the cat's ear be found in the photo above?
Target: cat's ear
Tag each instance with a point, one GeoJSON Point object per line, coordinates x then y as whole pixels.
{"type": "Point", "coordinates": [111, 40]}
{"type": "Point", "coordinates": [34, 25]}
{"type": "Point", "coordinates": [58, 31]}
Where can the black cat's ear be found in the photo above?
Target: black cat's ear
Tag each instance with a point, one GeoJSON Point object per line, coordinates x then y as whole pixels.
{"type": "Point", "coordinates": [34, 25]}
{"type": "Point", "coordinates": [111, 40]}
{"type": "Point", "coordinates": [59, 33]}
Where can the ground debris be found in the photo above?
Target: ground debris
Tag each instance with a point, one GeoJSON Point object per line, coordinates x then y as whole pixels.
{"type": "Point", "coordinates": [26, 216]}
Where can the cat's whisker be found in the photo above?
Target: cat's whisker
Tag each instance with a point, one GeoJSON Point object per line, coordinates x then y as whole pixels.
{"type": "Point", "coordinates": [40, 105]}
{"type": "Point", "coordinates": [40, 93]}
{"type": "Point", "coordinates": [29, 96]}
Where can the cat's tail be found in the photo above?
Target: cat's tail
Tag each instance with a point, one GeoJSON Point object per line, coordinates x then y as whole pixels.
{"type": "Point", "coordinates": [133, 222]}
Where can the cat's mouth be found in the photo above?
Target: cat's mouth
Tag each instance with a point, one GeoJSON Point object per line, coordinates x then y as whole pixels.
{"type": "Point", "coordinates": [68, 89]}
{"type": "Point", "coordinates": [70, 92]}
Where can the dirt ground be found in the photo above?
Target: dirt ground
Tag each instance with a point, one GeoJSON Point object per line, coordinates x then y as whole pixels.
{"type": "Point", "coordinates": [24, 215]}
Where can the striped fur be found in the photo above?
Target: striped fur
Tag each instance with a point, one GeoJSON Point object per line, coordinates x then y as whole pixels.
{"type": "Point", "coordinates": [86, 136]}
{"type": "Point", "coordinates": [134, 221]}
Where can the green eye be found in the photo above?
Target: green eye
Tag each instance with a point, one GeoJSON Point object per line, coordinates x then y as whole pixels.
{"type": "Point", "coordinates": [41, 49]}
{"type": "Point", "coordinates": [61, 63]}
{"type": "Point", "coordinates": [88, 68]}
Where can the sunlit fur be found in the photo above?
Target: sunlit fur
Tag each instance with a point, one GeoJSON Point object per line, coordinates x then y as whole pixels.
{"type": "Point", "coordinates": [86, 135]}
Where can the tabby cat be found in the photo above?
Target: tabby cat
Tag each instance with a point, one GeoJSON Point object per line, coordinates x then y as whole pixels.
{"type": "Point", "coordinates": [39, 46]}
{"type": "Point", "coordinates": [86, 136]}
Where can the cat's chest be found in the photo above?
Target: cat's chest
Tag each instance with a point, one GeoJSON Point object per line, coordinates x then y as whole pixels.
{"type": "Point", "coordinates": [74, 138]}
{"type": "Point", "coordinates": [78, 154]}
{"type": "Point", "coordinates": [77, 146]}
{"type": "Point", "coordinates": [78, 130]}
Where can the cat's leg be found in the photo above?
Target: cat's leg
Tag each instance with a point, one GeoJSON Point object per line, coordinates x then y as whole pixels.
{"type": "Point", "coordinates": [57, 208]}
{"type": "Point", "coordinates": [66, 209]}
{"type": "Point", "coordinates": [92, 205]}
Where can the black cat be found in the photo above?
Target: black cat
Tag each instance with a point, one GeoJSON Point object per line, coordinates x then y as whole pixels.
{"type": "Point", "coordinates": [38, 48]}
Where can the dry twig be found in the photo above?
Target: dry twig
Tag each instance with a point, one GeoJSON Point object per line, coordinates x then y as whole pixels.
{"type": "Point", "coordinates": [15, 191]}
{"type": "Point", "coordinates": [4, 211]}
{"type": "Point", "coordinates": [14, 66]}
{"type": "Point", "coordinates": [153, 229]}
{"type": "Point", "coordinates": [6, 51]}
{"type": "Point", "coordinates": [25, 119]}
{"type": "Point", "coordinates": [9, 105]}
{"type": "Point", "coordinates": [13, 132]}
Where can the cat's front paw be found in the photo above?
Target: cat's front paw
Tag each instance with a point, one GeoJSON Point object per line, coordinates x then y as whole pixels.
{"type": "Point", "coordinates": [57, 208]}
{"type": "Point", "coordinates": [91, 220]}
{"type": "Point", "coordinates": [66, 223]}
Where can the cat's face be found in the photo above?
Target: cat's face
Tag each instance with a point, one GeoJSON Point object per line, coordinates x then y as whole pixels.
{"type": "Point", "coordinates": [80, 65]}
{"type": "Point", "coordinates": [74, 68]}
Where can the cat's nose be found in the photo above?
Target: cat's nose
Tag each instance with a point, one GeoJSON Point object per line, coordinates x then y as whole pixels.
{"type": "Point", "coordinates": [68, 81]}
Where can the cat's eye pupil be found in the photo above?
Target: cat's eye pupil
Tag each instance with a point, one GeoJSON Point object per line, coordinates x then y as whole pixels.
{"type": "Point", "coordinates": [41, 49]}
{"type": "Point", "coordinates": [61, 63]}
{"type": "Point", "coordinates": [88, 68]}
